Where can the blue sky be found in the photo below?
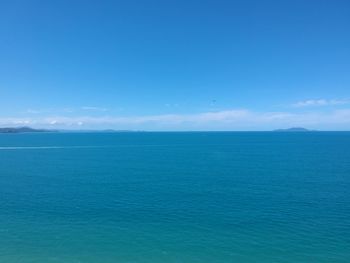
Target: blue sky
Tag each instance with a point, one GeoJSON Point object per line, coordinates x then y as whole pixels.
{"type": "Point", "coordinates": [175, 65]}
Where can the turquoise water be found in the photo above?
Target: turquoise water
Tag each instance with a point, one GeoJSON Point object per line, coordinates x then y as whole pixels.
{"type": "Point", "coordinates": [175, 197]}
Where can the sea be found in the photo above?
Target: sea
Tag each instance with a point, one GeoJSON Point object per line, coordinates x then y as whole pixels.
{"type": "Point", "coordinates": [175, 197]}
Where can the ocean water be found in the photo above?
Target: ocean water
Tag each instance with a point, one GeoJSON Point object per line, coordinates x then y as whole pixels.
{"type": "Point", "coordinates": [175, 197]}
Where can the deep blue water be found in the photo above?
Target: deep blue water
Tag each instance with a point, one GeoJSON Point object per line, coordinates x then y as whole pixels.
{"type": "Point", "coordinates": [175, 197]}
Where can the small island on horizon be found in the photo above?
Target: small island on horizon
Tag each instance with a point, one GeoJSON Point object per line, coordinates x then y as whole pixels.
{"type": "Point", "coordinates": [33, 130]}
{"type": "Point", "coordinates": [293, 129]}
{"type": "Point", "coordinates": [23, 130]}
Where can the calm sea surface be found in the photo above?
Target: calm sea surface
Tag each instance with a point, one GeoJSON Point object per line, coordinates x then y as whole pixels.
{"type": "Point", "coordinates": [175, 197]}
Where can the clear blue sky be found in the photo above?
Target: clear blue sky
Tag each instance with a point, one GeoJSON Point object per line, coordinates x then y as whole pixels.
{"type": "Point", "coordinates": [175, 65]}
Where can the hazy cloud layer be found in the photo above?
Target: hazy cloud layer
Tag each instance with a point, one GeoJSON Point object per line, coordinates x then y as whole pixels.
{"type": "Point", "coordinates": [236, 119]}
{"type": "Point", "coordinates": [91, 108]}
{"type": "Point", "coordinates": [320, 102]}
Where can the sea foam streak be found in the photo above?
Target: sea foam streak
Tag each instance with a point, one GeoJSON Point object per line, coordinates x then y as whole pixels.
{"type": "Point", "coordinates": [76, 147]}
{"type": "Point", "coordinates": [45, 147]}
{"type": "Point", "coordinates": [87, 147]}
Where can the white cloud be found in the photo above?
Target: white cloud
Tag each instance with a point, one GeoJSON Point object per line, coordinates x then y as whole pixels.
{"type": "Point", "coordinates": [320, 102]}
{"type": "Point", "coordinates": [236, 119]}
{"type": "Point", "coordinates": [90, 108]}
{"type": "Point", "coordinates": [32, 111]}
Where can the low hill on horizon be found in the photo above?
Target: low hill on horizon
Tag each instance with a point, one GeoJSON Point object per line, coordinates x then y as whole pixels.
{"type": "Point", "coordinates": [22, 130]}
{"type": "Point", "coordinates": [293, 129]}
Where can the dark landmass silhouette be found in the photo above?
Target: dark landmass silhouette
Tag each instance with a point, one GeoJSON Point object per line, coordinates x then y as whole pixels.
{"type": "Point", "coordinates": [293, 129]}
{"type": "Point", "coordinates": [22, 130]}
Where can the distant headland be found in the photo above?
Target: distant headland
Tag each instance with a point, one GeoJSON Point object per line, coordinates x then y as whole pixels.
{"type": "Point", "coordinates": [293, 129]}
{"type": "Point", "coordinates": [32, 130]}
{"type": "Point", "coordinates": [22, 130]}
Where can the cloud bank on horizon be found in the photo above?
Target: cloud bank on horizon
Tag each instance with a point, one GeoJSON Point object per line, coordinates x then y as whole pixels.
{"type": "Point", "coordinates": [231, 119]}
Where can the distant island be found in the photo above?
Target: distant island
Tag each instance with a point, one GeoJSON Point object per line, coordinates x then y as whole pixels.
{"type": "Point", "coordinates": [22, 130]}
{"type": "Point", "coordinates": [294, 129]}
{"type": "Point", "coordinates": [30, 130]}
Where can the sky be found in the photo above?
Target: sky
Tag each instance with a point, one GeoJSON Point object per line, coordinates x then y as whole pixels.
{"type": "Point", "coordinates": [175, 65]}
